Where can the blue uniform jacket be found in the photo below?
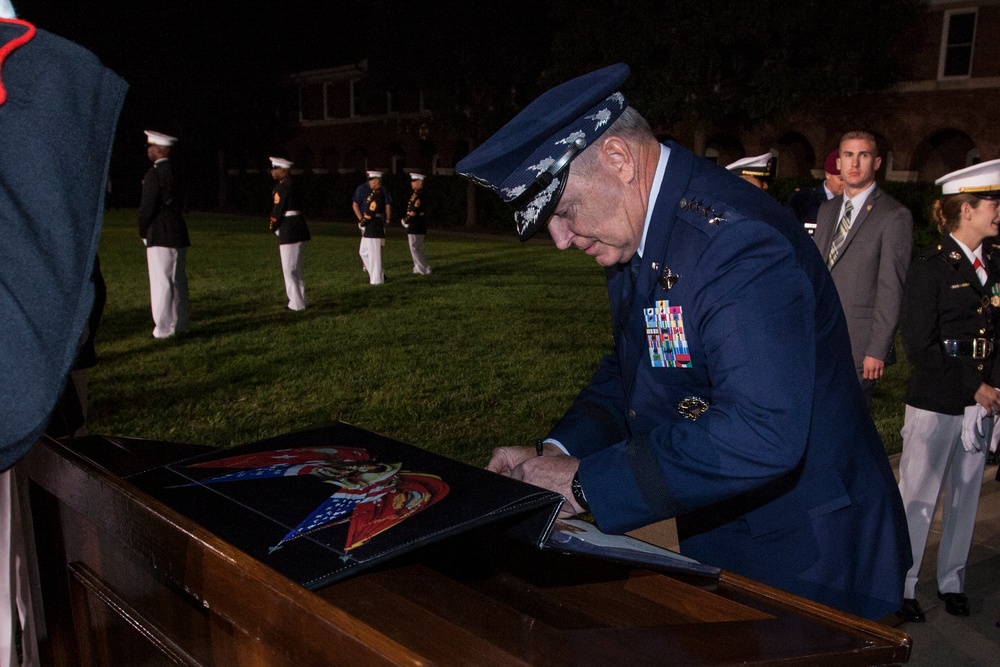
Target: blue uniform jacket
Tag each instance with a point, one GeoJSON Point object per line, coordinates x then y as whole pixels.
{"type": "Point", "coordinates": [784, 477]}
{"type": "Point", "coordinates": [291, 228]}
{"type": "Point", "coordinates": [57, 127]}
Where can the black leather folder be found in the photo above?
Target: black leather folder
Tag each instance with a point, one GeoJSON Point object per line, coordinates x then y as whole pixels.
{"type": "Point", "coordinates": [321, 504]}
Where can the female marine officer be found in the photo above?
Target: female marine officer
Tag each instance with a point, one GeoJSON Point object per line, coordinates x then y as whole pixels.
{"type": "Point", "coordinates": [950, 313]}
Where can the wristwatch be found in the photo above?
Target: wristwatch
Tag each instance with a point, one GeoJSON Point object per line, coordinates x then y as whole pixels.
{"type": "Point", "coordinates": [577, 490]}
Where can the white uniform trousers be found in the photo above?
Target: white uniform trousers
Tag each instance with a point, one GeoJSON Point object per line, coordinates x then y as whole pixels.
{"type": "Point", "coordinates": [417, 253]}
{"type": "Point", "coordinates": [371, 255]}
{"type": "Point", "coordinates": [168, 290]}
{"type": "Point", "coordinates": [935, 463]}
{"type": "Point", "coordinates": [15, 583]}
{"type": "Point", "coordinates": [291, 267]}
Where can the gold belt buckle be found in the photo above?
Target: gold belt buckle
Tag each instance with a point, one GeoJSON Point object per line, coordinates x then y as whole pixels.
{"type": "Point", "coordinates": [980, 348]}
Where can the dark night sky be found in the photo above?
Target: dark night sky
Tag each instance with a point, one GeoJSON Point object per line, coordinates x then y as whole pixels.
{"type": "Point", "coordinates": [200, 55]}
{"type": "Point", "coordinates": [204, 70]}
{"type": "Point", "coordinates": [158, 41]}
{"type": "Point", "coordinates": [208, 70]}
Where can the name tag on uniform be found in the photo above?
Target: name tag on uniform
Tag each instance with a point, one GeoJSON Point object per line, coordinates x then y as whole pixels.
{"type": "Point", "coordinates": [665, 337]}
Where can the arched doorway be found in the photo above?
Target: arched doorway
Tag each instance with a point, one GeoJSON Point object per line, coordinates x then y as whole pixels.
{"type": "Point", "coordinates": [944, 152]}
{"type": "Point", "coordinates": [724, 149]}
{"type": "Point", "coordinates": [796, 156]}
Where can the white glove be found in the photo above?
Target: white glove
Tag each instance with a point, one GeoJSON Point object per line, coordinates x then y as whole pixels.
{"type": "Point", "coordinates": [973, 435]}
{"type": "Point", "coordinates": [996, 433]}
{"type": "Point", "coordinates": [145, 243]}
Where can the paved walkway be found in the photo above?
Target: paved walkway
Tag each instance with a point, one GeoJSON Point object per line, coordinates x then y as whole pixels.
{"type": "Point", "coordinates": [946, 640]}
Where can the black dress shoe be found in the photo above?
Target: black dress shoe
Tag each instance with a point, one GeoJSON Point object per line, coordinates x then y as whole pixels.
{"type": "Point", "coordinates": [955, 604]}
{"type": "Point", "coordinates": [911, 611]}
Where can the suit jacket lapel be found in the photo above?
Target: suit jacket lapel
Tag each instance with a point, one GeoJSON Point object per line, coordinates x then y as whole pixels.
{"type": "Point", "coordinates": [826, 225]}
{"type": "Point", "coordinates": [861, 216]}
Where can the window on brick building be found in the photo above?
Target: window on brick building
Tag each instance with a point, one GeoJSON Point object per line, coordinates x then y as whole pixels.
{"type": "Point", "coordinates": [338, 99]}
{"type": "Point", "coordinates": [957, 38]}
{"type": "Point", "coordinates": [311, 101]}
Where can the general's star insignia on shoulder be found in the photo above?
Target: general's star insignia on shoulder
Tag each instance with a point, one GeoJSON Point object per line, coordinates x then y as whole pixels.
{"type": "Point", "coordinates": [692, 407]}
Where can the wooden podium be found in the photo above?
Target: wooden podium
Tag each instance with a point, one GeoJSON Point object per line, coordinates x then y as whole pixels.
{"type": "Point", "coordinates": [127, 581]}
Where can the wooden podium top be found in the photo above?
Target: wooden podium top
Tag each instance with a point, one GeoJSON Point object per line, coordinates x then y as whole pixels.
{"type": "Point", "coordinates": [143, 578]}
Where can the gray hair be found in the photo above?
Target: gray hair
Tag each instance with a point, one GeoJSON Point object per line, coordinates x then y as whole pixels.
{"type": "Point", "coordinates": [630, 126]}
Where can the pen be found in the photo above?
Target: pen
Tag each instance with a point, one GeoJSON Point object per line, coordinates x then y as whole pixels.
{"type": "Point", "coordinates": [539, 448]}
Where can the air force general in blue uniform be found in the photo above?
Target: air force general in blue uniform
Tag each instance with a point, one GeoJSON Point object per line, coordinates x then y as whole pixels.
{"type": "Point", "coordinates": [730, 399]}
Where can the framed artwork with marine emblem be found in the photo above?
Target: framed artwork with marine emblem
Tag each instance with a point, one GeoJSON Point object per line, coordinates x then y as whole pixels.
{"type": "Point", "coordinates": [320, 504]}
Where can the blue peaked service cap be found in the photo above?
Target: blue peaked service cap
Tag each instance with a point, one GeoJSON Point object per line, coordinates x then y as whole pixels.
{"type": "Point", "coordinates": [527, 161]}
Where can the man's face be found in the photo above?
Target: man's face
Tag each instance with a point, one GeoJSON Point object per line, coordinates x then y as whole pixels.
{"type": "Point", "coordinates": [152, 152]}
{"type": "Point", "coordinates": [595, 215]}
{"type": "Point", "coordinates": [417, 184]}
{"type": "Point", "coordinates": [278, 173]}
{"type": "Point", "coordinates": [375, 183]}
{"type": "Point", "coordinates": [835, 183]}
{"type": "Point", "coordinates": [753, 180]}
{"type": "Point", "coordinates": [858, 163]}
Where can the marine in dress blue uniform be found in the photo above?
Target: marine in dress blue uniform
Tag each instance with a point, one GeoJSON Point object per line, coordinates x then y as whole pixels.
{"type": "Point", "coordinates": [59, 107]}
{"type": "Point", "coordinates": [361, 203]}
{"type": "Point", "coordinates": [415, 223]}
{"type": "Point", "coordinates": [758, 170]}
{"type": "Point", "coordinates": [805, 202]}
{"type": "Point", "coordinates": [164, 233]}
{"type": "Point", "coordinates": [722, 403]}
{"type": "Point", "coordinates": [288, 224]}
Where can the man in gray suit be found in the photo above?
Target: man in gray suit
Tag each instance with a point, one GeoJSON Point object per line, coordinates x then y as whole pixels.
{"type": "Point", "coordinates": [866, 237]}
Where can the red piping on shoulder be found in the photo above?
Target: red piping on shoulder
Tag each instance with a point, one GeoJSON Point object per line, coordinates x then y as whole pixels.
{"type": "Point", "coordinates": [9, 47]}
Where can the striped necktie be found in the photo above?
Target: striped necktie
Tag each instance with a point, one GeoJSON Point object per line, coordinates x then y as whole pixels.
{"type": "Point", "coordinates": [838, 238]}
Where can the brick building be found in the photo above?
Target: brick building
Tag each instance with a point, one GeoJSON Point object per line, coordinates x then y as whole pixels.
{"type": "Point", "coordinates": [941, 116]}
{"type": "Point", "coordinates": [339, 125]}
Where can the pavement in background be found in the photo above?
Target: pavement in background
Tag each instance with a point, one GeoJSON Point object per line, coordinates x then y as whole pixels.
{"type": "Point", "coordinates": [946, 640]}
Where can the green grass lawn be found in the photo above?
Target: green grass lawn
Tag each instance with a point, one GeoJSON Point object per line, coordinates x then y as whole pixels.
{"type": "Point", "coordinates": [488, 350]}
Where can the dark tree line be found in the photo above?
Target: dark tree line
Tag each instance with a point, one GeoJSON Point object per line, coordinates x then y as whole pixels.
{"type": "Point", "coordinates": [213, 71]}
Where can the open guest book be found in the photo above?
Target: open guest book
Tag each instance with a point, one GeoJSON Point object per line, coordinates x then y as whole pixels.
{"type": "Point", "coordinates": [322, 504]}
